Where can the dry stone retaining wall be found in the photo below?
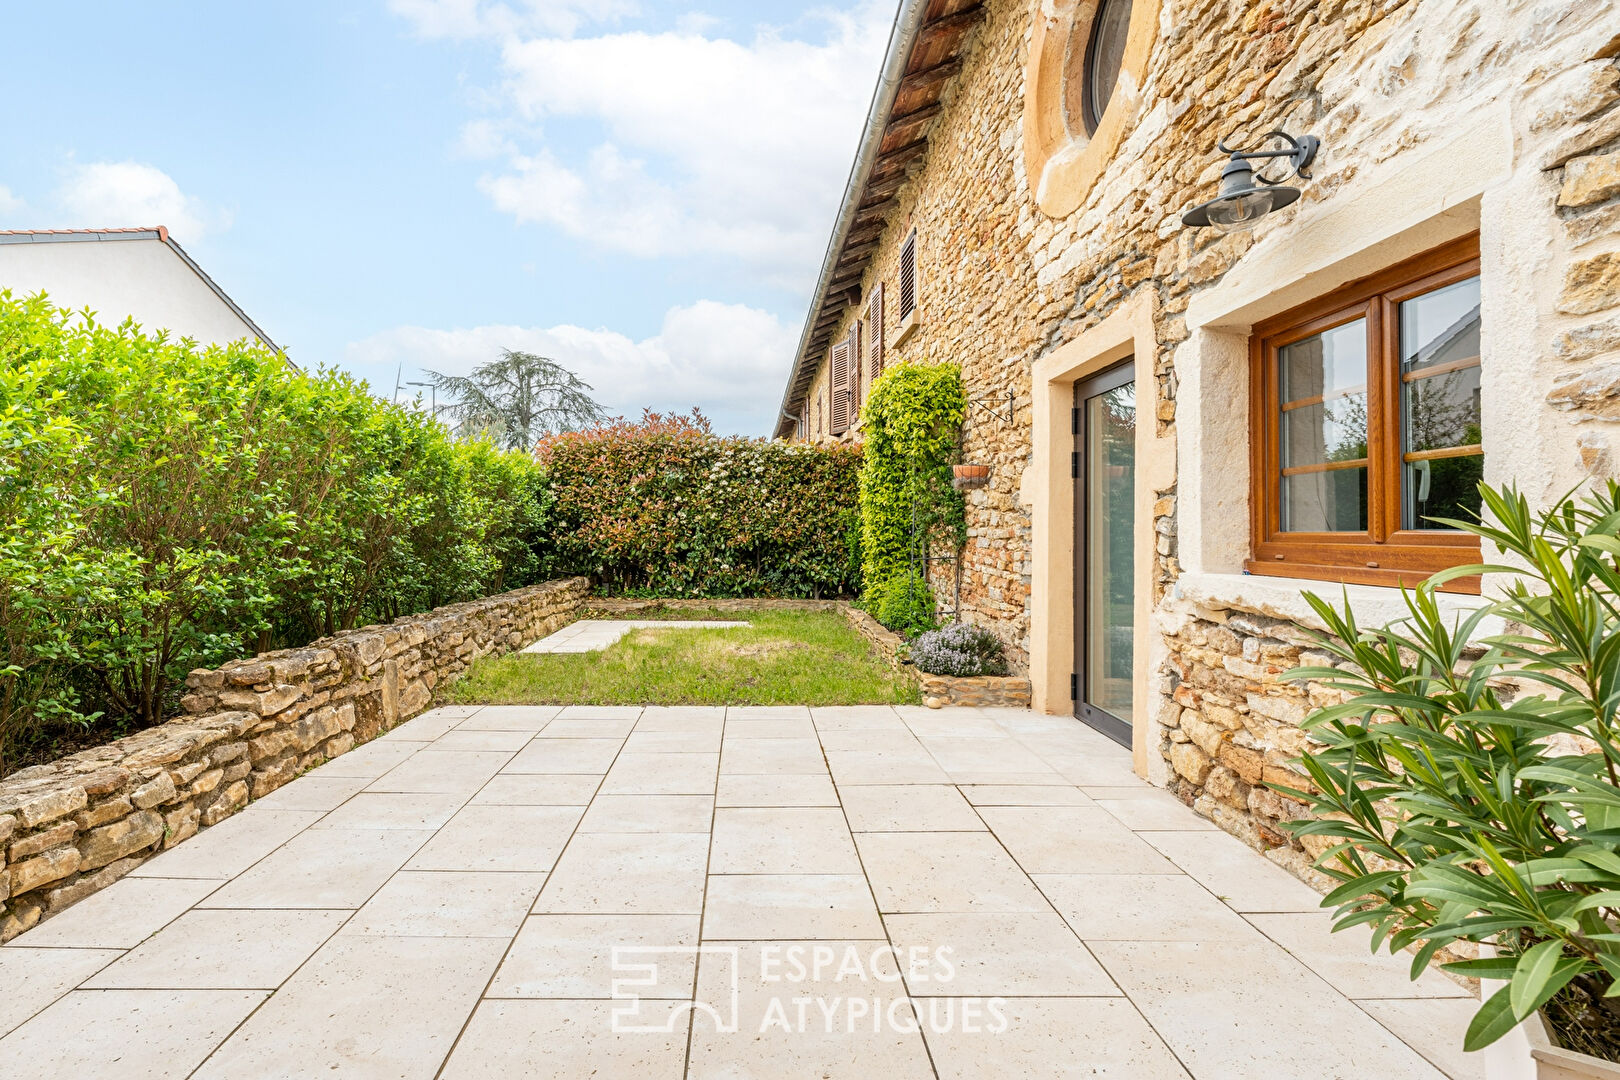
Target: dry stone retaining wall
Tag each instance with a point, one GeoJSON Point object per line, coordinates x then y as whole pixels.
{"type": "Point", "coordinates": [71, 827]}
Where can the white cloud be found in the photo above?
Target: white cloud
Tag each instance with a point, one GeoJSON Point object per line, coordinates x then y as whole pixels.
{"type": "Point", "coordinates": [703, 144]}
{"type": "Point", "coordinates": [9, 203]}
{"type": "Point", "coordinates": [724, 358]}
{"type": "Point", "coordinates": [107, 194]}
{"type": "Point", "coordinates": [476, 18]}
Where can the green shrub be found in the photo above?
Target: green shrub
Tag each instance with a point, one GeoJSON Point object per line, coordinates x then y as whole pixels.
{"type": "Point", "coordinates": [167, 506]}
{"type": "Point", "coordinates": [1471, 789]}
{"type": "Point", "coordinates": [911, 423]}
{"type": "Point", "coordinates": [905, 604]}
{"type": "Point", "coordinates": [664, 507]}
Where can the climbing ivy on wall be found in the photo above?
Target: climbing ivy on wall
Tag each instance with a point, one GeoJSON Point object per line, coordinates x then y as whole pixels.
{"type": "Point", "coordinates": [911, 426]}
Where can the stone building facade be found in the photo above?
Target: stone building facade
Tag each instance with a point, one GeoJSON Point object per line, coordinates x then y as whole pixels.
{"type": "Point", "coordinates": [1050, 248]}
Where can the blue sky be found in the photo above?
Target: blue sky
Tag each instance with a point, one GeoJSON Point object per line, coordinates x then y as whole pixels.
{"type": "Point", "coordinates": [642, 189]}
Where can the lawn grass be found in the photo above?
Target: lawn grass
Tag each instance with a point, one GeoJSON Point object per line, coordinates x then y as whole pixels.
{"type": "Point", "coordinates": [780, 658]}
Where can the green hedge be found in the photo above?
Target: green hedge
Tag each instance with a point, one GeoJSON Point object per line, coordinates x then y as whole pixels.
{"type": "Point", "coordinates": [664, 507]}
{"type": "Point", "coordinates": [165, 506]}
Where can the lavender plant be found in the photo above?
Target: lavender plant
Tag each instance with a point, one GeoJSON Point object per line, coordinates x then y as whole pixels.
{"type": "Point", "coordinates": [960, 650]}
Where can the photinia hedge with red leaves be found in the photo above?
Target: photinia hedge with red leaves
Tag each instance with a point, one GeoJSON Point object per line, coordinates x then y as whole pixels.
{"type": "Point", "coordinates": [663, 506]}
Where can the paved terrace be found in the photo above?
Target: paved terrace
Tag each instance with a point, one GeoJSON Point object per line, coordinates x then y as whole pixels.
{"type": "Point", "coordinates": [444, 902]}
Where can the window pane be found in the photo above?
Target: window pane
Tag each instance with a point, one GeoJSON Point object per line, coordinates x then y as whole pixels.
{"type": "Point", "coordinates": [1322, 431]}
{"type": "Point", "coordinates": [1110, 548]}
{"type": "Point", "coordinates": [1440, 411]}
{"type": "Point", "coordinates": [1333, 501]}
{"type": "Point", "coordinates": [1105, 56]}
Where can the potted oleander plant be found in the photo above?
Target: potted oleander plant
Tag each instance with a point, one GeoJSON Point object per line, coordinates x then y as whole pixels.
{"type": "Point", "coordinates": [1467, 790]}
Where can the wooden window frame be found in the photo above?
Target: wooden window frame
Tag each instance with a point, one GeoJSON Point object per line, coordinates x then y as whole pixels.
{"type": "Point", "coordinates": [909, 298]}
{"type": "Point", "coordinates": [1386, 554]}
{"type": "Point", "coordinates": [838, 395]}
{"type": "Point", "coordinates": [874, 320]}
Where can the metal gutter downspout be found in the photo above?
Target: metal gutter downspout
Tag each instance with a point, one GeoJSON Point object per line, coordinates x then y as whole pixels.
{"type": "Point", "coordinates": [907, 23]}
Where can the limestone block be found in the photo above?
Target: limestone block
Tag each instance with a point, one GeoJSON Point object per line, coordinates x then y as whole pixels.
{"type": "Point", "coordinates": [104, 781]}
{"type": "Point", "coordinates": [8, 825]}
{"type": "Point", "coordinates": [179, 824]}
{"type": "Point", "coordinates": [158, 790]}
{"type": "Point", "coordinates": [236, 770]}
{"type": "Point", "coordinates": [1190, 762]}
{"type": "Point", "coordinates": [272, 743]}
{"type": "Point", "coordinates": [266, 778]}
{"type": "Point", "coordinates": [265, 703]}
{"type": "Point", "coordinates": [1589, 180]}
{"type": "Point", "coordinates": [58, 898]}
{"type": "Point", "coordinates": [230, 799]}
{"type": "Point", "coordinates": [1226, 786]}
{"type": "Point", "coordinates": [1591, 285]}
{"type": "Point", "coordinates": [1206, 736]}
{"type": "Point", "coordinates": [1249, 764]}
{"type": "Point", "coordinates": [322, 724]}
{"type": "Point", "coordinates": [24, 915]}
{"type": "Point", "coordinates": [101, 846]}
{"type": "Point", "coordinates": [43, 808]}
{"type": "Point", "coordinates": [55, 836]}
{"type": "Point", "coordinates": [228, 752]}
{"type": "Point", "coordinates": [1578, 93]}
{"type": "Point", "coordinates": [103, 812]}
{"type": "Point", "coordinates": [51, 866]}
{"type": "Point", "coordinates": [205, 782]}
{"type": "Point", "coordinates": [1595, 392]}
{"type": "Point", "coordinates": [413, 699]}
{"type": "Point", "coordinates": [1587, 341]}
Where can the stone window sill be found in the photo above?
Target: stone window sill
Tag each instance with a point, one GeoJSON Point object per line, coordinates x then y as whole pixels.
{"type": "Point", "coordinates": [908, 327]}
{"type": "Point", "coordinates": [1284, 598]}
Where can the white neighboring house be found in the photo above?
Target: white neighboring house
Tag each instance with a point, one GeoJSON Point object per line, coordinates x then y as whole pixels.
{"type": "Point", "coordinates": [124, 273]}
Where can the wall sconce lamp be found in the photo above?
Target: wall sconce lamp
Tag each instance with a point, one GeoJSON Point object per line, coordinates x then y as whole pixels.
{"type": "Point", "coordinates": [1247, 196]}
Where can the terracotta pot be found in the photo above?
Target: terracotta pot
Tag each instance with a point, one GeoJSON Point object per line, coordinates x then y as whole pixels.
{"type": "Point", "coordinates": [969, 476]}
{"type": "Point", "coordinates": [1528, 1052]}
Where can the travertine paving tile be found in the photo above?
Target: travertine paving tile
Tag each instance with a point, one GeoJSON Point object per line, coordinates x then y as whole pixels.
{"type": "Point", "coordinates": [909, 808]}
{"type": "Point", "coordinates": [516, 838]}
{"type": "Point", "coordinates": [661, 774]}
{"type": "Point", "coordinates": [589, 727]}
{"type": "Point", "coordinates": [572, 956]}
{"type": "Point", "coordinates": [450, 772]}
{"type": "Point", "coordinates": [600, 712]}
{"type": "Point", "coordinates": [437, 904]}
{"type": "Point", "coordinates": [856, 718]}
{"type": "Point", "coordinates": [1434, 1027]}
{"type": "Point", "coordinates": [1142, 907]}
{"type": "Point", "coordinates": [898, 739]}
{"type": "Point", "coordinates": [1052, 1039]}
{"type": "Point", "coordinates": [781, 789]}
{"type": "Point", "coordinates": [767, 712]}
{"type": "Point", "coordinates": [363, 1007]}
{"type": "Point", "coordinates": [231, 846]}
{"type": "Point", "coordinates": [124, 1034]}
{"type": "Point", "coordinates": [764, 756]}
{"type": "Point", "coordinates": [649, 813]}
{"type": "Point", "coordinates": [121, 916]}
{"type": "Point", "coordinates": [1203, 998]}
{"type": "Point", "coordinates": [392, 810]}
{"type": "Point", "coordinates": [1072, 840]}
{"type": "Point", "coordinates": [1025, 795]}
{"type": "Point", "coordinates": [1087, 769]}
{"type": "Point", "coordinates": [948, 723]}
{"type": "Point", "coordinates": [1025, 954]}
{"type": "Point", "coordinates": [754, 907]}
{"type": "Point", "coordinates": [1345, 960]}
{"type": "Point", "coordinates": [564, 1040]}
{"type": "Point", "coordinates": [371, 760]}
{"type": "Point", "coordinates": [822, 1046]}
{"type": "Point", "coordinates": [798, 727]}
{"type": "Point", "coordinates": [33, 978]}
{"type": "Point", "coordinates": [1150, 808]}
{"type": "Point", "coordinates": [782, 840]}
{"type": "Point", "coordinates": [222, 949]}
{"type": "Point", "coordinates": [884, 767]}
{"type": "Point", "coordinates": [653, 716]}
{"type": "Point", "coordinates": [649, 873]}
{"type": "Point", "coordinates": [673, 742]}
{"type": "Point", "coordinates": [1232, 871]}
{"type": "Point", "coordinates": [933, 871]}
{"type": "Point", "coordinates": [312, 791]}
{"type": "Point", "coordinates": [511, 718]}
{"type": "Point", "coordinates": [565, 756]}
{"type": "Point", "coordinates": [480, 740]}
{"type": "Point", "coordinates": [538, 789]}
{"type": "Point", "coordinates": [323, 868]}
{"type": "Point", "coordinates": [424, 728]}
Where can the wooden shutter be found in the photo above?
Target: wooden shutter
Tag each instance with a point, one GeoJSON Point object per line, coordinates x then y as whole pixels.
{"type": "Point", "coordinates": [856, 343]}
{"type": "Point", "coordinates": [838, 390]}
{"type": "Point", "coordinates": [874, 323]}
{"type": "Point", "coordinates": [908, 277]}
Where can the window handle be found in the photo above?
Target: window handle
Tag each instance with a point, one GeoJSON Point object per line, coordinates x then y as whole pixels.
{"type": "Point", "coordinates": [1423, 481]}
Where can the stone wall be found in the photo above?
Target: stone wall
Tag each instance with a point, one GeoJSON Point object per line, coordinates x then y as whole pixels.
{"type": "Point", "coordinates": [76, 825]}
{"type": "Point", "coordinates": [1524, 94]}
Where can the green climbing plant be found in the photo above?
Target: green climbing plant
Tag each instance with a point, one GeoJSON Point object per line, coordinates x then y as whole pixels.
{"type": "Point", "coordinates": [912, 424]}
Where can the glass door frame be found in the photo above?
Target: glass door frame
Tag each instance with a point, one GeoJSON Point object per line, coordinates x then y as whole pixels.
{"type": "Point", "coordinates": [1112, 378]}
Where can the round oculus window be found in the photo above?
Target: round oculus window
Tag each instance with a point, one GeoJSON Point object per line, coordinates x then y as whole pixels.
{"type": "Point", "coordinates": [1091, 82]}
